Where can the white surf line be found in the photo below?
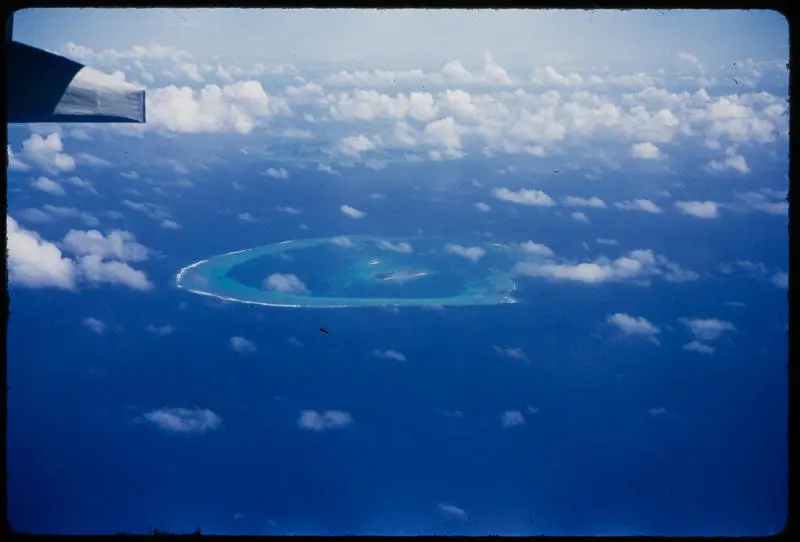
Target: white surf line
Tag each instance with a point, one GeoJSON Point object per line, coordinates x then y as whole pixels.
{"type": "Point", "coordinates": [185, 269]}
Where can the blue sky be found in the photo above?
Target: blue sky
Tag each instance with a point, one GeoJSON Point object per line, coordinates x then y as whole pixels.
{"type": "Point", "coordinates": [638, 387]}
{"type": "Point", "coordinates": [515, 37]}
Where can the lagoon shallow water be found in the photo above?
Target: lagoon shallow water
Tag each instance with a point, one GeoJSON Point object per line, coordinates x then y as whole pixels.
{"type": "Point", "coordinates": [358, 271]}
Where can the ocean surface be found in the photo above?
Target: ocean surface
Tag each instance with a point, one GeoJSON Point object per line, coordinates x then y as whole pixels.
{"type": "Point", "coordinates": [620, 436]}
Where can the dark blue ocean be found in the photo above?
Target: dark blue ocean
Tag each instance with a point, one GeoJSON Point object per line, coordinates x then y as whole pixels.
{"type": "Point", "coordinates": [592, 459]}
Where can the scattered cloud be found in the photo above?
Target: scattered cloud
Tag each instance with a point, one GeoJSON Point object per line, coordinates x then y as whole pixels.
{"type": "Point", "coordinates": [646, 150]}
{"type": "Point", "coordinates": [572, 201]}
{"type": "Point", "coordinates": [46, 153]}
{"type": "Point", "coordinates": [325, 421]}
{"type": "Point", "coordinates": [524, 196]}
{"type": "Point", "coordinates": [294, 342]}
{"type": "Point", "coordinates": [168, 224]}
{"type": "Point", "coordinates": [638, 205]}
{"type": "Point", "coordinates": [690, 58]}
{"type": "Point", "coordinates": [352, 212]}
{"type": "Point", "coordinates": [697, 346]}
{"type": "Point", "coordinates": [483, 207]}
{"type": "Point", "coordinates": [636, 265]}
{"type": "Point", "coordinates": [91, 160]}
{"type": "Point", "coordinates": [160, 331]}
{"type": "Point", "coordinates": [536, 249]}
{"type": "Point", "coordinates": [354, 145]}
{"type": "Point", "coordinates": [36, 263]}
{"type": "Point", "coordinates": [470, 253]}
{"type": "Point", "coordinates": [511, 353]}
{"type": "Point", "coordinates": [80, 183]}
{"type": "Point", "coordinates": [14, 163]}
{"type": "Point", "coordinates": [781, 280]}
{"type": "Point", "coordinates": [611, 242]}
{"type": "Point", "coordinates": [232, 108]}
{"type": "Point", "coordinates": [94, 325]}
{"type": "Point", "coordinates": [389, 354]}
{"type": "Point", "coordinates": [284, 283]}
{"type": "Point", "coordinates": [43, 184]}
{"type": "Point", "coordinates": [242, 345]}
{"type": "Point", "coordinates": [734, 162]}
{"type": "Point", "coordinates": [151, 210]}
{"type": "Point", "coordinates": [548, 75]}
{"type": "Point", "coordinates": [699, 209]}
{"type": "Point", "coordinates": [764, 202]}
{"type": "Point", "coordinates": [295, 133]}
{"type": "Point", "coordinates": [121, 245]}
{"type": "Point", "coordinates": [452, 512]}
{"type": "Point", "coordinates": [342, 241]}
{"type": "Point", "coordinates": [94, 269]}
{"type": "Point", "coordinates": [707, 329]}
{"type": "Point", "coordinates": [401, 247]}
{"type": "Point", "coordinates": [51, 213]}
{"type": "Point", "coordinates": [279, 173]}
{"type": "Point", "coordinates": [513, 418]}
{"type": "Point", "coordinates": [580, 217]}
{"type": "Point", "coordinates": [183, 420]}
{"type": "Point", "coordinates": [634, 326]}
{"type": "Point", "coordinates": [326, 168]}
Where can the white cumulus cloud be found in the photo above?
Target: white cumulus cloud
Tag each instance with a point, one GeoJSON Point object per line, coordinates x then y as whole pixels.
{"type": "Point", "coordinates": [699, 347]}
{"type": "Point", "coordinates": [46, 153]}
{"type": "Point", "coordinates": [638, 205]}
{"type": "Point", "coordinates": [43, 184]}
{"type": "Point", "coordinates": [470, 253]}
{"type": "Point", "coordinates": [213, 109]}
{"type": "Point", "coordinates": [511, 352]}
{"type": "Point", "coordinates": [698, 209]}
{"type": "Point", "coordinates": [780, 279]}
{"type": "Point", "coordinates": [451, 511]}
{"type": "Point", "coordinates": [36, 263]}
{"type": "Point", "coordinates": [513, 418]}
{"type": "Point", "coordinates": [580, 217]}
{"type": "Point", "coordinates": [352, 212]}
{"type": "Point", "coordinates": [524, 196]}
{"type": "Point", "coordinates": [242, 345]}
{"type": "Point", "coordinates": [402, 247]}
{"type": "Point", "coordinates": [94, 325]}
{"type": "Point", "coordinates": [605, 241]}
{"type": "Point", "coordinates": [646, 150]}
{"type": "Point", "coordinates": [536, 249]}
{"type": "Point", "coordinates": [324, 421]}
{"type": "Point", "coordinates": [573, 201]}
{"type": "Point", "coordinates": [636, 265]}
{"type": "Point", "coordinates": [342, 241]}
{"type": "Point", "coordinates": [121, 245]}
{"type": "Point", "coordinates": [285, 283]}
{"type": "Point", "coordinates": [14, 163]}
{"type": "Point", "coordinates": [707, 329]}
{"type": "Point", "coordinates": [279, 173]}
{"type": "Point", "coordinates": [355, 145]}
{"type": "Point", "coordinates": [634, 326]}
{"type": "Point", "coordinates": [183, 420]}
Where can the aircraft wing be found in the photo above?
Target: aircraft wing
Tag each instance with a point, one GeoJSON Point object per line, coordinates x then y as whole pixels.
{"type": "Point", "coordinates": [44, 87]}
